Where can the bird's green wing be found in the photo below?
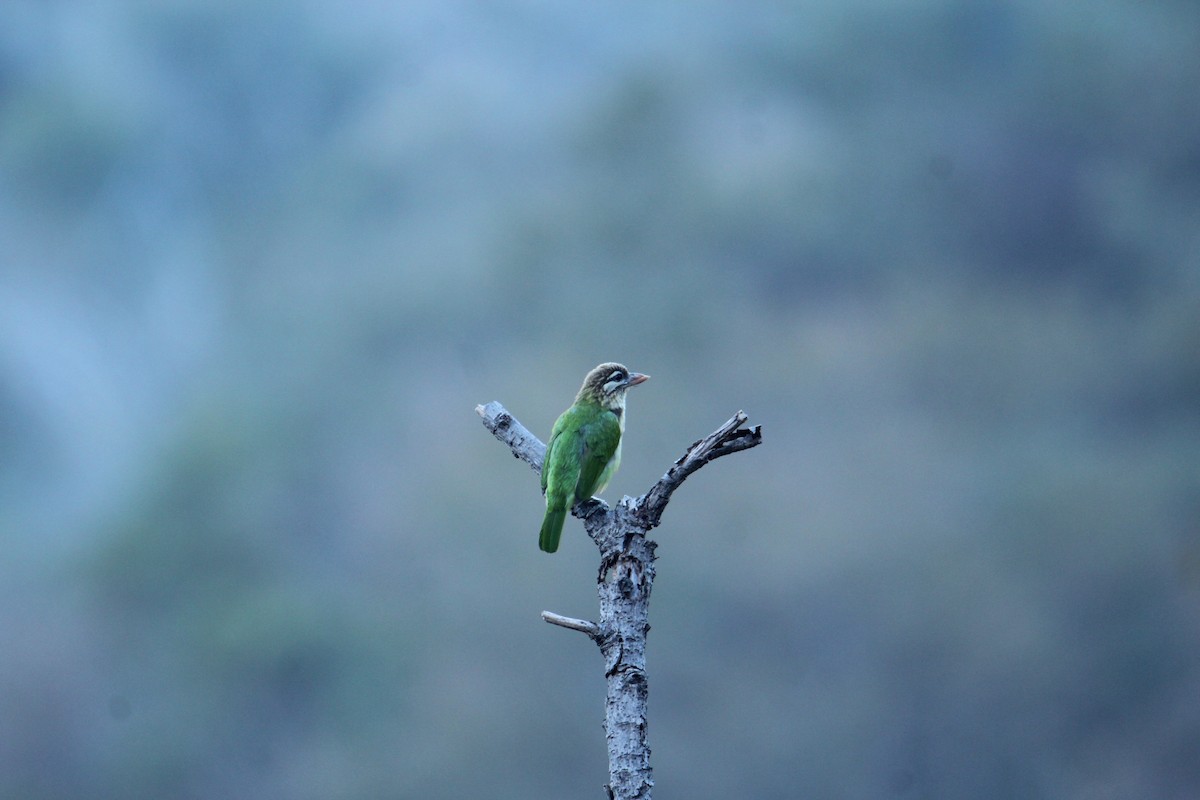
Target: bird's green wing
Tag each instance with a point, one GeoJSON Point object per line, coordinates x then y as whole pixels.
{"type": "Point", "coordinates": [546, 460]}
{"type": "Point", "coordinates": [600, 437]}
{"type": "Point", "coordinates": [560, 449]}
{"type": "Point", "coordinates": [560, 474]}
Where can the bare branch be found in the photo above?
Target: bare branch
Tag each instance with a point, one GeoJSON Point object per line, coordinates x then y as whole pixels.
{"type": "Point", "coordinates": [623, 586]}
{"type": "Point", "coordinates": [581, 625]}
{"type": "Point", "coordinates": [505, 427]}
{"type": "Point", "coordinates": [729, 438]}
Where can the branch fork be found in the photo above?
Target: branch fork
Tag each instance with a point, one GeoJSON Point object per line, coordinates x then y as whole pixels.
{"type": "Point", "coordinates": [623, 584]}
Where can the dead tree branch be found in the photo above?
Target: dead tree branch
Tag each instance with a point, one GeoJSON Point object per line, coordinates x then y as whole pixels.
{"type": "Point", "coordinates": [623, 585]}
{"type": "Point", "coordinates": [729, 438]}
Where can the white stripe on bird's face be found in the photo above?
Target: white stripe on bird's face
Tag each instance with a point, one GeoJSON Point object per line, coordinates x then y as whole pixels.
{"type": "Point", "coordinates": [616, 382]}
{"type": "Point", "coordinates": [614, 401]}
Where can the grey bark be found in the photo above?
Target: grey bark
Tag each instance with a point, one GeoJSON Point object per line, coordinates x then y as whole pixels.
{"type": "Point", "coordinates": [623, 584]}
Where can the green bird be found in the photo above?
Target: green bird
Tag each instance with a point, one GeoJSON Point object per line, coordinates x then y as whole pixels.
{"type": "Point", "coordinates": [585, 446]}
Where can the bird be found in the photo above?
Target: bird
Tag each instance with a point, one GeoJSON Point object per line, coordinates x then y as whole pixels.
{"type": "Point", "coordinates": [585, 446]}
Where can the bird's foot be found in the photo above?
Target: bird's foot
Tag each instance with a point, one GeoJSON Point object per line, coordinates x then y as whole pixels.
{"type": "Point", "coordinates": [585, 508]}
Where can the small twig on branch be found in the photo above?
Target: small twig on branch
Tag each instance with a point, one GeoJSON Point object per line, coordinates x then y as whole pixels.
{"type": "Point", "coordinates": [581, 625]}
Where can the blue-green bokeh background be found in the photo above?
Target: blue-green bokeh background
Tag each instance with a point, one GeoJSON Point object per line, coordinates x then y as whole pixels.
{"type": "Point", "coordinates": [260, 260]}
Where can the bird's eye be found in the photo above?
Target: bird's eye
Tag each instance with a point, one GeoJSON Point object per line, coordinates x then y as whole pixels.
{"type": "Point", "coordinates": [617, 375]}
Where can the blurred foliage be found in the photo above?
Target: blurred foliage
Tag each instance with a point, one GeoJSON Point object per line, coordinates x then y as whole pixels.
{"type": "Point", "coordinates": [262, 259]}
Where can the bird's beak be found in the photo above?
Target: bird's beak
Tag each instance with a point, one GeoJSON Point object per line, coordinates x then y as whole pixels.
{"type": "Point", "coordinates": [635, 378]}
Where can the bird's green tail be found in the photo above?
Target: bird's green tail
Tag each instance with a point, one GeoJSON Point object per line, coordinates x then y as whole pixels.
{"type": "Point", "coordinates": [552, 527]}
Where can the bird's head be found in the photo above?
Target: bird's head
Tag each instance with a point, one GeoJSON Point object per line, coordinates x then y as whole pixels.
{"type": "Point", "coordinates": [606, 385]}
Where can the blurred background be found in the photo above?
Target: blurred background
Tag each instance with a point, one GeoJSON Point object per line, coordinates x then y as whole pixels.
{"type": "Point", "coordinates": [261, 260]}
